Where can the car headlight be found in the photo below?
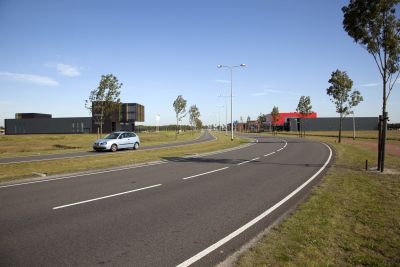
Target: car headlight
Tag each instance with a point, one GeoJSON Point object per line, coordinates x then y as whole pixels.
{"type": "Point", "coordinates": [103, 143]}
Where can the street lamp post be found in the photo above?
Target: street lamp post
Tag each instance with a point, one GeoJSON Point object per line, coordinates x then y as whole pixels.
{"type": "Point", "coordinates": [226, 113]}
{"type": "Point", "coordinates": [231, 69]}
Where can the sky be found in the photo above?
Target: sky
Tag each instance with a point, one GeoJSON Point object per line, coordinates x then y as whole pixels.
{"type": "Point", "coordinates": [53, 53]}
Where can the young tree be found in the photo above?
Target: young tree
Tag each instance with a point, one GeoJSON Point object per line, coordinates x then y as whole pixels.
{"type": "Point", "coordinates": [339, 91]}
{"type": "Point", "coordinates": [180, 109]}
{"type": "Point", "coordinates": [194, 115]}
{"type": "Point", "coordinates": [104, 99]}
{"type": "Point", "coordinates": [198, 123]}
{"type": "Point", "coordinates": [304, 108]}
{"type": "Point", "coordinates": [248, 123]}
{"type": "Point", "coordinates": [375, 25]}
{"type": "Point", "coordinates": [275, 117]}
{"type": "Point", "coordinates": [260, 120]}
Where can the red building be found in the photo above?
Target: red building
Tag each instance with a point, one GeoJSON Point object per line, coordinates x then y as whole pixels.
{"type": "Point", "coordinates": [286, 115]}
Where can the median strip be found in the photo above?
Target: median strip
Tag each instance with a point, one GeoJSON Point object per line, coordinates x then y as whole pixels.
{"type": "Point", "coordinates": [109, 196]}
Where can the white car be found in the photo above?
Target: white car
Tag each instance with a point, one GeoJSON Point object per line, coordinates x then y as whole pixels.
{"type": "Point", "coordinates": [117, 140]}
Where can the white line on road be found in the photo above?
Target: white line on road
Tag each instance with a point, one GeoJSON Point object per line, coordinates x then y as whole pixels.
{"type": "Point", "coordinates": [99, 198]}
{"type": "Point", "coordinates": [197, 175]}
{"type": "Point", "coordinates": [247, 161]}
{"type": "Point", "coordinates": [255, 220]}
{"type": "Point", "coordinates": [266, 155]}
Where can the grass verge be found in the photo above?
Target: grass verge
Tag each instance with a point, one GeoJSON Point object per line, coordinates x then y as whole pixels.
{"type": "Point", "coordinates": [23, 170]}
{"type": "Point", "coordinates": [351, 218]}
{"type": "Point", "coordinates": [33, 144]}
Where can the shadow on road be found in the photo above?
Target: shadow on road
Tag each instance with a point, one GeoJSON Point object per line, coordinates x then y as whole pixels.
{"type": "Point", "coordinates": [236, 161]}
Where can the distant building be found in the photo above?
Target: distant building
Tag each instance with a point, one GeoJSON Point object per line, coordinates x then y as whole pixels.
{"type": "Point", "coordinates": [332, 124]}
{"type": "Point", "coordinates": [290, 121]}
{"type": "Point", "coordinates": [123, 117]}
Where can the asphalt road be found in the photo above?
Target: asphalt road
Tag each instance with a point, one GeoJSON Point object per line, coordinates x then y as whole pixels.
{"type": "Point", "coordinates": [206, 136]}
{"type": "Point", "coordinates": [184, 211]}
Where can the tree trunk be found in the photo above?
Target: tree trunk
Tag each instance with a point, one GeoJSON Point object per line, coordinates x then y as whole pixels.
{"type": "Point", "coordinates": [379, 142]}
{"type": "Point", "coordinates": [384, 125]}
{"type": "Point", "coordinates": [101, 124]}
{"type": "Point", "coordinates": [340, 129]}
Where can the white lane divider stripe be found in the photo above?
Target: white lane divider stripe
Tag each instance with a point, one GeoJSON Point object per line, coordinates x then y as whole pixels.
{"type": "Point", "coordinates": [87, 174]}
{"type": "Point", "coordinates": [224, 240]}
{"type": "Point", "coordinates": [266, 155]}
{"type": "Point", "coordinates": [197, 175]}
{"type": "Point", "coordinates": [99, 198]}
{"type": "Point", "coordinates": [247, 161]}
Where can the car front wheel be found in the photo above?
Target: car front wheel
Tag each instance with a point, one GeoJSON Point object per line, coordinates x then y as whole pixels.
{"type": "Point", "coordinates": [114, 148]}
{"type": "Point", "coordinates": [136, 146]}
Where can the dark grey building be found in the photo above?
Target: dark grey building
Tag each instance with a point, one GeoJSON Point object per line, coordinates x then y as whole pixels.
{"type": "Point", "coordinates": [332, 124]}
{"type": "Point", "coordinates": [48, 125]}
{"type": "Point", "coordinates": [123, 117]}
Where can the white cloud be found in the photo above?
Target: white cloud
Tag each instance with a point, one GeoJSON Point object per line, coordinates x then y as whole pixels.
{"type": "Point", "coordinates": [67, 70]}
{"type": "Point", "coordinates": [369, 85]}
{"type": "Point", "coordinates": [30, 78]}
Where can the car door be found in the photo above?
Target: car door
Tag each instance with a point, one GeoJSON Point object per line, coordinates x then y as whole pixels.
{"type": "Point", "coordinates": [122, 140]}
{"type": "Point", "coordinates": [131, 140]}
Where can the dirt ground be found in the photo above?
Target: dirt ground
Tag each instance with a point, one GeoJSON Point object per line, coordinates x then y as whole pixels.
{"type": "Point", "coordinates": [391, 149]}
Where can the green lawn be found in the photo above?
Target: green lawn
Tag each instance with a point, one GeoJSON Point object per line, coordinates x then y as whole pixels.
{"type": "Point", "coordinates": [105, 160]}
{"type": "Point", "coordinates": [351, 219]}
{"type": "Point", "coordinates": [33, 144]}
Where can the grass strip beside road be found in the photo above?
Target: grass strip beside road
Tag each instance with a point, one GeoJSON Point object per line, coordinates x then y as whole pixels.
{"type": "Point", "coordinates": [16, 171]}
{"type": "Point", "coordinates": [41, 144]}
{"type": "Point", "coordinates": [351, 218]}
{"type": "Point", "coordinates": [392, 135]}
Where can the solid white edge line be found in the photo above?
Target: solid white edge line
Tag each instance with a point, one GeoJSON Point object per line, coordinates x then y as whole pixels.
{"type": "Point", "coordinates": [255, 220]}
{"type": "Point", "coordinates": [197, 175]}
{"type": "Point", "coordinates": [99, 198]}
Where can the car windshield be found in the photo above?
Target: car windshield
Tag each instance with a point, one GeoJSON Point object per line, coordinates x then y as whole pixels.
{"type": "Point", "coordinates": [112, 136]}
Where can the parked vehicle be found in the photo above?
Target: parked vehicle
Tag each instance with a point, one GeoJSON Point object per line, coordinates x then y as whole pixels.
{"type": "Point", "coordinates": [116, 141]}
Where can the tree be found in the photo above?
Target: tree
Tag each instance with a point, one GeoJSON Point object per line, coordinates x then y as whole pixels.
{"type": "Point", "coordinates": [180, 109]}
{"type": "Point", "coordinates": [104, 99]}
{"type": "Point", "coordinates": [304, 108]}
{"type": "Point", "coordinates": [275, 117]}
{"type": "Point", "coordinates": [248, 122]}
{"type": "Point", "coordinates": [194, 115]}
{"type": "Point", "coordinates": [375, 25]}
{"type": "Point", "coordinates": [339, 91]}
{"type": "Point", "coordinates": [260, 120]}
{"type": "Point", "coordinates": [198, 123]}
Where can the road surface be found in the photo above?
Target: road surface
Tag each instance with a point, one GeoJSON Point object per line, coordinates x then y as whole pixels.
{"type": "Point", "coordinates": [185, 211]}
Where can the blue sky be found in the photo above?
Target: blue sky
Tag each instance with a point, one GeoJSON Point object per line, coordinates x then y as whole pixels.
{"type": "Point", "coordinates": [52, 53]}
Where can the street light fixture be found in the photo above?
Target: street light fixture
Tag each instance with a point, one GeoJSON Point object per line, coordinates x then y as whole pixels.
{"type": "Point", "coordinates": [231, 69]}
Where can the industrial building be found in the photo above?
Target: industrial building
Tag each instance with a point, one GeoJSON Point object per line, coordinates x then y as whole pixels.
{"type": "Point", "coordinates": [123, 117]}
{"type": "Point", "coordinates": [291, 121]}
